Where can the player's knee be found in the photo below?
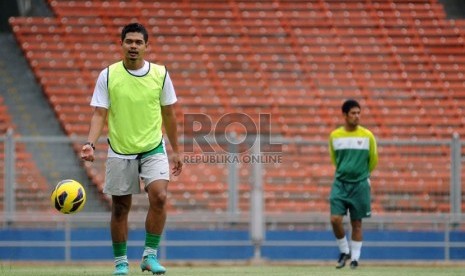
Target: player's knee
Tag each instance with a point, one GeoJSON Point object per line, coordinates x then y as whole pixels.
{"type": "Point", "coordinates": [158, 199]}
{"type": "Point", "coordinates": [336, 220]}
{"type": "Point", "coordinates": [120, 210]}
{"type": "Point", "coordinates": [356, 225]}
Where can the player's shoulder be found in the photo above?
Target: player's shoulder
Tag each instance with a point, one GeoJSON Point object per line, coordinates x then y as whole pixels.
{"type": "Point", "coordinates": [342, 132]}
{"type": "Point", "coordinates": [117, 63]}
{"type": "Point", "coordinates": [113, 67]}
{"type": "Point", "coordinates": [337, 131]}
{"type": "Point", "coordinates": [364, 131]}
{"type": "Point", "coordinates": [103, 74]}
{"type": "Point", "coordinates": [158, 69]}
{"type": "Point", "coordinates": [157, 65]}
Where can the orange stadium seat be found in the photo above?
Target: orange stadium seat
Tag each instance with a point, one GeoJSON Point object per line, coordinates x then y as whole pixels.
{"type": "Point", "coordinates": [31, 190]}
{"type": "Point", "coordinates": [294, 59]}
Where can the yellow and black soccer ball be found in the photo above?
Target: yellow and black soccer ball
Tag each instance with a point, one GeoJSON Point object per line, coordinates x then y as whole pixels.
{"type": "Point", "coordinates": [68, 197]}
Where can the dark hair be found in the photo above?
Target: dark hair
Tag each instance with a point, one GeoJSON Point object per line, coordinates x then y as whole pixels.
{"type": "Point", "coordinates": [135, 28]}
{"type": "Point", "coordinates": [348, 105]}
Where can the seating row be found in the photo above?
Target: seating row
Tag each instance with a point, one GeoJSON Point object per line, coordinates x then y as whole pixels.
{"type": "Point", "coordinates": [295, 60]}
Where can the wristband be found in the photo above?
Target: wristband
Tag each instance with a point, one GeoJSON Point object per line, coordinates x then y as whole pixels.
{"type": "Point", "coordinates": [90, 144]}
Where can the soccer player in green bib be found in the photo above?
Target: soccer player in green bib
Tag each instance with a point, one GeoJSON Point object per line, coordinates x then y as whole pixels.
{"type": "Point", "coordinates": [353, 152]}
{"type": "Point", "coordinates": [138, 99]}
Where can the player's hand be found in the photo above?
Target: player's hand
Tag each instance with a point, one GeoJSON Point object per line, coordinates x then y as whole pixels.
{"type": "Point", "coordinates": [87, 153]}
{"type": "Point", "coordinates": [177, 164]}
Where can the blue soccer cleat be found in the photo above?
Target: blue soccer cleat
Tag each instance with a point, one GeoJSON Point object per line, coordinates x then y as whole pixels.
{"type": "Point", "coordinates": [121, 269]}
{"type": "Point", "coordinates": [150, 263]}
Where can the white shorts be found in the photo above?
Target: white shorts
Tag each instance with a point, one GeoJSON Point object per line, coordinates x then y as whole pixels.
{"type": "Point", "coordinates": [124, 176]}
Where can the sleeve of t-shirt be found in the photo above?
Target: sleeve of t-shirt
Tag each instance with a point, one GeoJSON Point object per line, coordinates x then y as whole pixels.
{"type": "Point", "coordinates": [100, 96]}
{"type": "Point", "coordinates": [168, 95]}
{"type": "Point", "coordinates": [332, 153]}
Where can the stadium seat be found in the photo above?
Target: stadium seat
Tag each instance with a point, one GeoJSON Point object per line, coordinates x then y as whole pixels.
{"type": "Point", "coordinates": [31, 190]}
{"type": "Point", "coordinates": [296, 60]}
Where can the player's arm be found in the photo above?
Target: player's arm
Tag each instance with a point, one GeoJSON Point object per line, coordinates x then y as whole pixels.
{"type": "Point", "coordinates": [168, 99]}
{"type": "Point", "coordinates": [97, 123]}
{"type": "Point", "coordinates": [170, 124]}
{"type": "Point", "coordinates": [332, 154]}
{"type": "Point", "coordinates": [373, 154]}
{"type": "Point", "coordinates": [101, 103]}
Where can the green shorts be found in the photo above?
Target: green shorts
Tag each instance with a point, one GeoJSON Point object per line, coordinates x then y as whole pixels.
{"type": "Point", "coordinates": [355, 197]}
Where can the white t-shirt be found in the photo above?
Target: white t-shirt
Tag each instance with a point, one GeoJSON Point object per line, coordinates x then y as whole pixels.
{"type": "Point", "coordinates": [100, 97]}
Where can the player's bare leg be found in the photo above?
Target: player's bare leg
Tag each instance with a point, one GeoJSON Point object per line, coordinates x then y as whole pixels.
{"type": "Point", "coordinates": [156, 215]}
{"type": "Point", "coordinates": [154, 225]}
{"type": "Point", "coordinates": [338, 227]}
{"type": "Point", "coordinates": [119, 232]}
{"type": "Point", "coordinates": [339, 233]}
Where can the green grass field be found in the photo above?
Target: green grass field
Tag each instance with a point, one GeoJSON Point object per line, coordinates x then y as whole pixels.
{"type": "Point", "coordinates": [404, 269]}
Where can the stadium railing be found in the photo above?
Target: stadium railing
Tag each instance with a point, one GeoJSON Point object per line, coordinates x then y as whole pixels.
{"type": "Point", "coordinates": [412, 163]}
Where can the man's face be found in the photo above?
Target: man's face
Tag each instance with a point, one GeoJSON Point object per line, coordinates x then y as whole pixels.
{"type": "Point", "coordinates": [353, 117]}
{"type": "Point", "coordinates": [134, 46]}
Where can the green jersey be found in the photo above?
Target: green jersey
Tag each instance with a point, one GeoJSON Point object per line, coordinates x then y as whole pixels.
{"type": "Point", "coordinates": [353, 153]}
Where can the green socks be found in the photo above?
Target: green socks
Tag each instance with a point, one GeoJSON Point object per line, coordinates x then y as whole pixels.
{"type": "Point", "coordinates": [120, 252]}
{"type": "Point", "coordinates": [152, 240]}
{"type": "Point", "coordinates": [119, 249]}
{"type": "Point", "coordinates": [151, 243]}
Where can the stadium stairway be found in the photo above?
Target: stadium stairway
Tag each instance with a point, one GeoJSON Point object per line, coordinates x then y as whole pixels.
{"type": "Point", "coordinates": [32, 115]}
{"type": "Point", "coordinates": [31, 189]}
{"type": "Point", "coordinates": [455, 9]}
